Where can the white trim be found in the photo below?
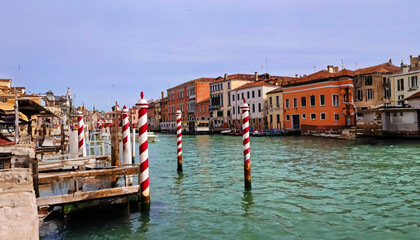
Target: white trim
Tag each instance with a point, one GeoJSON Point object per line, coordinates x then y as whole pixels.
{"type": "Point", "coordinates": [302, 116]}
{"type": "Point", "coordinates": [293, 102]}
{"type": "Point", "coordinates": [328, 86]}
{"type": "Point", "coordinates": [320, 104]}
{"type": "Point", "coordinates": [320, 116]}
{"type": "Point", "coordinates": [287, 116]}
{"type": "Point", "coordinates": [311, 116]}
{"type": "Point", "coordinates": [332, 95]}
{"type": "Point", "coordinates": [337, 115]}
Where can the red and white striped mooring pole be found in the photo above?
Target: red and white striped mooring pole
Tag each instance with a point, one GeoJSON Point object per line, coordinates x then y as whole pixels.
{"type": "Point", "coordinates": [144, 155]}
{"type": "Point", "coordinates": [246, 143]}
{"type": "Point", "coordinates": [179, 139]}
{"type": "Point", "coordinates": [81, 135]}
{"type": "Point", "coordinates": [126, 137]}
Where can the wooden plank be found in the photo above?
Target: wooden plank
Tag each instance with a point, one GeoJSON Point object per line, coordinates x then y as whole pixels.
{"type": "Point", "coordinates": [44, 178]}
{"type": "Point", "coordinates": [82, 196]}
{"type": "Point", "coordinates": [75, 162]}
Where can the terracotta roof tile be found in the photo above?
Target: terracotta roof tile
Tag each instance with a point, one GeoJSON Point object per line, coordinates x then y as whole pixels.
{"type": "Point", "coordinates": [384, 67]}
{"type": "Point", "coordinates": [320, 75]}
{"type": "Point", "coordinates": [254, 84]}
{"type": "Point", "coordinates": [203, 79]}
{"type": "Point", "coordinates": [414, 96]}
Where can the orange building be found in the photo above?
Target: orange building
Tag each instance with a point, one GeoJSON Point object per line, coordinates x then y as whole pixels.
{"type": "Point", "coordinates": [320, 101]}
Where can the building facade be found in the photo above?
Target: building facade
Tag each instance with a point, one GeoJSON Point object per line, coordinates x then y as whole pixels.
{"type": "Point", "coordinates": [275, 109]}
{"type": "Point", "coordinates": [321, 101]}
{"type": "Point", "coordinates": [255, 94]}
{"type": "Point", "coordinates": [406, 83]}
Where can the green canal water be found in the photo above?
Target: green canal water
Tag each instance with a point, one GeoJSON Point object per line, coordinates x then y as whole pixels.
{"type": "Point", "coordinates": [303, 188]}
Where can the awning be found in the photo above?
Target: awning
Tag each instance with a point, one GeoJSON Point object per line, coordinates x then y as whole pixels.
{"type": "Point", "coordinates": [30, 108]}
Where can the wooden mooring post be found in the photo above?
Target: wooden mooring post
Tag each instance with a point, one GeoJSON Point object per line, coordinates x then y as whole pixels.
{"type": "Point", "coordinates": [115, 143]}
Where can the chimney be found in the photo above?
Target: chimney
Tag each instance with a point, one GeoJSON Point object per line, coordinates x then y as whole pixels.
{"type": "Point", "coordinates": [163, 95]}
{"type": "Point", "coordinates": [330, 68]}
{"type": "Point", "coordinates": [225, 76]}
{"type": "Point", "coordinates": [415, 61]}
{"type": "Point", "coordinates": [256, 76]}
{"type": "Point", "coordinates": [296, 76]}
{"type": "Point", "coordinates": [336, 69]}
{"type": "Point", "coordinates": [390, 61]}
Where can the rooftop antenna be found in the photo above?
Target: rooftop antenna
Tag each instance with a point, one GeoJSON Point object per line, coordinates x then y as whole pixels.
{"type": "Point", "coordinates": [342, 64]}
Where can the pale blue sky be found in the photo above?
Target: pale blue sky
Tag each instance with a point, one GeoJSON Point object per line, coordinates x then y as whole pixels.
{"type": "Point", "coordinates": [111, 50]}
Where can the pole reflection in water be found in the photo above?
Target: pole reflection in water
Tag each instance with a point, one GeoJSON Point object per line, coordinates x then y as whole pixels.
{"type": "Point", "coordinates": [247, 203]}
{"type": "Point", "coordinates": [144, 222]}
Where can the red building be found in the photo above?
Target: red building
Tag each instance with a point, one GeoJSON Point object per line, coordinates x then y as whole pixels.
{"type": "Point", "coordinates": [186, 96]}
{"type": "Point", "coordinates": [202, 110]}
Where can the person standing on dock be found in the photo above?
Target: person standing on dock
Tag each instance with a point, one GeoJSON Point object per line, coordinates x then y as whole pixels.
{"type": "Point", "coordinates": [246, 143]}
{"type": "Point", "coordinates": [126, 137]}
{"type": "Point", "coordinates": [143, 155]}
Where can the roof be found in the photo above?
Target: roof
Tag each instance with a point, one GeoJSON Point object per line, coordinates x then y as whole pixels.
{"type": "Point", "coordinates": [384, 68]}
{"type": "Point", "coordinates": [280, 89]}
{"type": "Point", "coordinates": [194, 81]}
{"type": "Point", "coordinates": [5, 80]}
{"type": "Point", "coordinates": [414, 96]}
{"type": "Point", "coordinates": [318, 76]}
{"type": "Point", "coordinates": [254, 84]}
{"type": "Point", "coordinates": [204, 101]}
{"type": "Point", "coordinates": [5, 141]}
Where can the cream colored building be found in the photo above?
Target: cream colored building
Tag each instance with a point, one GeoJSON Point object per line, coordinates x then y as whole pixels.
{"type": "Point", "coordinates": [405, 83]}
{"type": "Point", "coordinates": [275, 109]}
{"type": "Point", "coordinates": [221, 97]}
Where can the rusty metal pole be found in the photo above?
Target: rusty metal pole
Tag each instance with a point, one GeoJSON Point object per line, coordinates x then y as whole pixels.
{"type": "Point", "coordinates": [246, 144]}
{"type": "Point", "coordinates": [179, 139]}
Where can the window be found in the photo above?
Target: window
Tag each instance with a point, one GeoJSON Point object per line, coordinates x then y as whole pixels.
{"type": "Point", "coordinates": [287, 117]}
{"type": "Point", "coordinates": [228, 85]}
{"type": "Point", "coordinates": [228, 99]}
{"type": "Point", "coordinates": [359, 94]}
{"type": "Point", "coordinates": [233, 97]}
{"type": "Point", "coordinates": [313, 116]}
{"type": "Point", "coordinates": [322, 100]}
{"type": "Point", "coordinates": [336, 116]}
{"type": "Point", "coordinates": [368, 80]}
{"type": "Point", "coordinates": [271, 118]}
{"type": "Point", "coordinates": [247, 95]}
{"type": "Point", "coordinates": [400, 84]}
{"type": "Point", "coordinates": [253, 108]}
{"type": "Point", "coordinates": [253, 94]}
{"type": "Point", "coordinates": [271, 101]}
{"type": "Point", "coordinates": [387, 93]}
{"type": "Point", "coordinates": [242, 96]}
{"type": "Point", "coordinates": [322, 116]}
{"type": "Point", "coordinates": [238, 97]}
{"type": "Point", "coordinates": [303, 102]}
{"type": "Point", "coordinates": [278, 118]}
{"type": "Point", "coordinates": [312, 99]}
{"type": "Point", "coordinates": [336, 101]}
{"type": "Point", "coordinates": [239, 110]}
{"type": "Point", "coordinates": [369, 94]}
{"type": "Point", "coordinates": [259, 93]}
{"type": "Point", "coordinates": [414, 84]}
{"type": "Point", "coordinates": [259, 107]}
{"type": "Point", "coordinates": [233, 110]}
{"type": "Point", "coordinates": [253, 120]}
{"type": "Point", "coordinates": [277, 101]}
{"type": "Point", "coordinates": [286, 103]}
{"type": "Point", "coordinates": [303, 115]}
{"type": "Point", "coordinates": [295, 103]}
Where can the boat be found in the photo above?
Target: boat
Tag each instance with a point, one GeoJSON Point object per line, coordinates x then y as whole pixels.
{"type": "Point", "coordinates": [152, 137]}
{"type": "Point", "coordinates": [225, 132]}
{"type": "Point", "coordinates": [195, 127]}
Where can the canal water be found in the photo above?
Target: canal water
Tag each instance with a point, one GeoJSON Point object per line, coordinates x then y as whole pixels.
{"type": "Point", "coordinates": [302, 188]}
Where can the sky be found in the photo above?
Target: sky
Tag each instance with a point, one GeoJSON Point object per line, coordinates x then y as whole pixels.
{"type": "Point", "coordinates": [108, 51]}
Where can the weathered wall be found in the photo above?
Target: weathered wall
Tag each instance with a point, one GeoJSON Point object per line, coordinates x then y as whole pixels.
{"type": "Point", "coordinates": [18, 210]}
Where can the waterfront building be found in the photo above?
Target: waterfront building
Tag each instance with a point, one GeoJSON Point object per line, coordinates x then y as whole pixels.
{"type": "Point", "coordinates": [255, 94]}
{"type": "Point", "coordinates": [320, 101]}
{"type": "Point", "coordinates": [186, 96]}
{"type": "Point", "coordinates": [406, 83]}
{"type": "Point", "coordinates": [275, 109]}
{"type": "Point", "coordinates": [220, 97]}
{"type": "Point", "coordinates": [202, 110]}
{"type": "Point", "coordinates": [372, 89]}
{"type": "Point", "coordinates": [153, 122]}
{"type": "Point", "coordinates": [133, 115]}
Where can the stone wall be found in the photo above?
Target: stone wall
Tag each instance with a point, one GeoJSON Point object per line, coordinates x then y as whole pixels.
{"type": "Point", "coordinates": [18, 210]}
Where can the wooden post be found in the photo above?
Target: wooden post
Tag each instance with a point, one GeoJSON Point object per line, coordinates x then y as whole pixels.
{"type": "Point", "coordinates": [63, 136]}
{"type": "Point", "coordinates": [115, 144]}
{"type": "Point", "coordinates": [34, 165]}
